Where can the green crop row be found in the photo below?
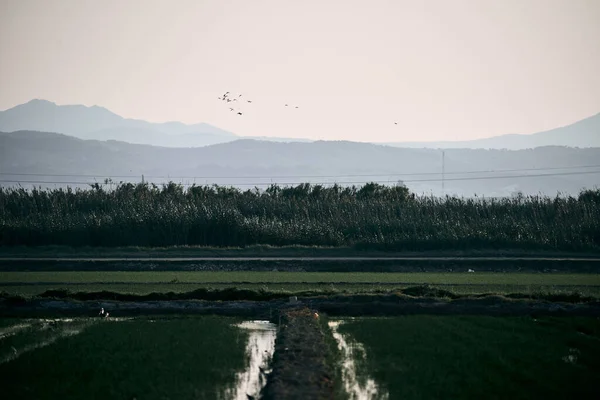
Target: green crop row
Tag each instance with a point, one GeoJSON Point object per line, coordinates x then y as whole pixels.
{"type": "Point", "coordinates": [466, 357]}
{"type": "Point", "coordinates": [270, 277]}
{"type": "Point", "coordinates": [178, 358]}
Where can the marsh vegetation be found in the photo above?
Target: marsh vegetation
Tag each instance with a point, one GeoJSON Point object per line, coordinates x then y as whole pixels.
{"type": "Point", "coordinates": [369, 217]}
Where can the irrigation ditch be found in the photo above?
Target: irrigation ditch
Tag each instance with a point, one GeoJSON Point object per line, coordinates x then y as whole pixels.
{"type": "Point", "coordinates": [295, 351]}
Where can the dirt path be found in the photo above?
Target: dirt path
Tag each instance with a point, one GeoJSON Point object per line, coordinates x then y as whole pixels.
{"type": "Point", "coordinates": [300, 368]}
{"type": "Point", "coordinates": [342, 305]}
{"type": "Point", "coordinates": [301, 264]}
{"type": "Point", "coordinates": [394, 258]}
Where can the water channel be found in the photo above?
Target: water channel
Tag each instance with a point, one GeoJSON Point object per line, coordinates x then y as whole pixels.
{"type": "Point", "coordinates": [357, 386]}
{"type": "Point", "coordinates": [259, 349]}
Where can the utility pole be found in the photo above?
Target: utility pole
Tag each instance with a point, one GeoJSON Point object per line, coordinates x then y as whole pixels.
{"type": "Point", "coordinates": [443, 173]}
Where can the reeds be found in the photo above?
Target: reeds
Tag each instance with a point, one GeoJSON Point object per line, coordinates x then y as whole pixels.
{"type": "Point", "coordinates": [371, 216]}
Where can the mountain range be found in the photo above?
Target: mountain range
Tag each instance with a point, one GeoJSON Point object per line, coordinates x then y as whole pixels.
{"type": "Point", "coordinates": [98, 123]}
{"type": "Point", "coordinates": [30, 158]}
{"type": "Point", "coordinates": [584, 133]}
{"type": "Point", "coordinates": [101, 124]}
{"type": "Point", "coordinates": [44, 144]}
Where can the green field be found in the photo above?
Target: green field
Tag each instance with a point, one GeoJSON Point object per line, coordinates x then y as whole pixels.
{"type": "Point", "coordinates": [408, 357]}
{"type": "Point", "coordinates": [33, 283]}
{"type": "Point", "coordinates": [432, 357]}
{"type": "Point", "coordinates": [176, 358]}
{"type": "Point", "coordinates": [452, 278]}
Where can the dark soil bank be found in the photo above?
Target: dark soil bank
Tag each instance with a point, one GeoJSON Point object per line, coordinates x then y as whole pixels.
{"type": "Point", "coordinates": [300, 367]}
{"type": "Point", "coordinates": [413, 300]}
{"type": "Point", "coordinates": [427, 264]}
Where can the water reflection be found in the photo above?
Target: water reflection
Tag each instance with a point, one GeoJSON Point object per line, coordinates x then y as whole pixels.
{"type": "Point", "coordinates": [260, 348]}
{"type": "Point", "coordinates": [358, 388]}
{"type": "Point", "coordinates": [13, 330]}
{"type": "Point", "coordinates": [39, 333]}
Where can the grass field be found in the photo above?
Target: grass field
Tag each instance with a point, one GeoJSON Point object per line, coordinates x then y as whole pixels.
{"type": "Point", "coordinates": [454, 278]}
{"type": "Point", "coordinates": [409, 357]}
{"type": "Point", "coordinates": [432, 357]}
{"type": "Point", "coordinates": [176, 358]}
{"type": "Point", "coordinates": [33, 283]}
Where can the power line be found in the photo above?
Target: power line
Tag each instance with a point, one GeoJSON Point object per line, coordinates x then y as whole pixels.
{"type": "Point", "coordinates": [301, 176]}
{"type": "Point", "coordinates": [506, 176]}
{"type": "Point", "coordinates": [326, 183]}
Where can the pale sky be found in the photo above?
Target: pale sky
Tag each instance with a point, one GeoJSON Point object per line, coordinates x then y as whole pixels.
{"type": "Point", "coordinates": [443, 70]}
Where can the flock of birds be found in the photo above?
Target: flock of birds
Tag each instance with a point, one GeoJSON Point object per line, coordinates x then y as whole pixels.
{"type": "Point", "coordinates": [230, 99]}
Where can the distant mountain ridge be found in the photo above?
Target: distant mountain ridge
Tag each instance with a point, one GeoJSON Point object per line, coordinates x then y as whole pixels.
{"type": "Point", "coordinates": [48, 159]}
{"type": "Point", "coordinates": [99, 123]}
{"type": "Point", "coordinates": [584, 134]}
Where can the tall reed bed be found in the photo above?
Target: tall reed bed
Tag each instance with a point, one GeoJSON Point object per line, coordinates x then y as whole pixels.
{"type": "Point", "coordinates": [371, 216]}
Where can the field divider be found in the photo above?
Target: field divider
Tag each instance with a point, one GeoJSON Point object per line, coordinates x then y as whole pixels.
{"type": "Point", "coordinates": [341, 283]}
{"type": "Point", "coordinates": [325, 258]}
{"type": "Point", "coordinates": [300, 367]}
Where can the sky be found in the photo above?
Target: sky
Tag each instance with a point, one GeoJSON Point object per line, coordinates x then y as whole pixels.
{"type": "Point", "coordinates": [372, 70]}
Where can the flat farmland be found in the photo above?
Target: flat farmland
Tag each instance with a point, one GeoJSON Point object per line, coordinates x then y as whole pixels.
{"type": "Point", "coordinates": [465, 357]}
{"type": "Point", "coordinates": [175, 358]}
{"type": "Point", "coordinates": [32, 283]}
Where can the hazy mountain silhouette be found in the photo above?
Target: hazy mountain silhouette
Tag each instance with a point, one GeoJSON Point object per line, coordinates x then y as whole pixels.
{"type": "Point", "coordinates": [101, 124]}
{"type": "Point", "coordinates": [246, 163]}
{"type": "Point", "coordinates": [584, 133]}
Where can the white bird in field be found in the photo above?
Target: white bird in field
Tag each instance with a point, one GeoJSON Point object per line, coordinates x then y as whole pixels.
{"type": "Point", "coordinates": [101, 313]}
{"type": "Point", "coordinates": [471, 270]}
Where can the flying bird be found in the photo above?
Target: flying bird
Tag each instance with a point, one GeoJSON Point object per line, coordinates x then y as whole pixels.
{"type": "Point", "coordinates": [249, 101]}
{"type": "Point", "coordinates": [239, 113]}
{"type": "Point", "coordinates": [395, 123]}
{"type": "Point", "coordinates": [231, 109]}
{"type": "Point", "coordinates": [286, 105]}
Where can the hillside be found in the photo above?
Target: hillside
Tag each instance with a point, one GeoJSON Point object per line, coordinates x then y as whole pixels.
{"type": "Point", "coordinates": [247, 163]}
{"type": "Point", "coordinates": [101, 124]}
{"type": "Point", "coordinates": [98, 123]}
{"type": "Point", "coordinates": [584, 133]}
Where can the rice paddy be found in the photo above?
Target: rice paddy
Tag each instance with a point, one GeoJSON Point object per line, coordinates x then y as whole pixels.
{"type": "Point", "coordinates": [411, 357]}
{"type": "Point", "coordinates": [434, 357]}
{"type": "Point", "coordinates": [136, 356]}
{"type": "Point", "coordinates": [175, 358]}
